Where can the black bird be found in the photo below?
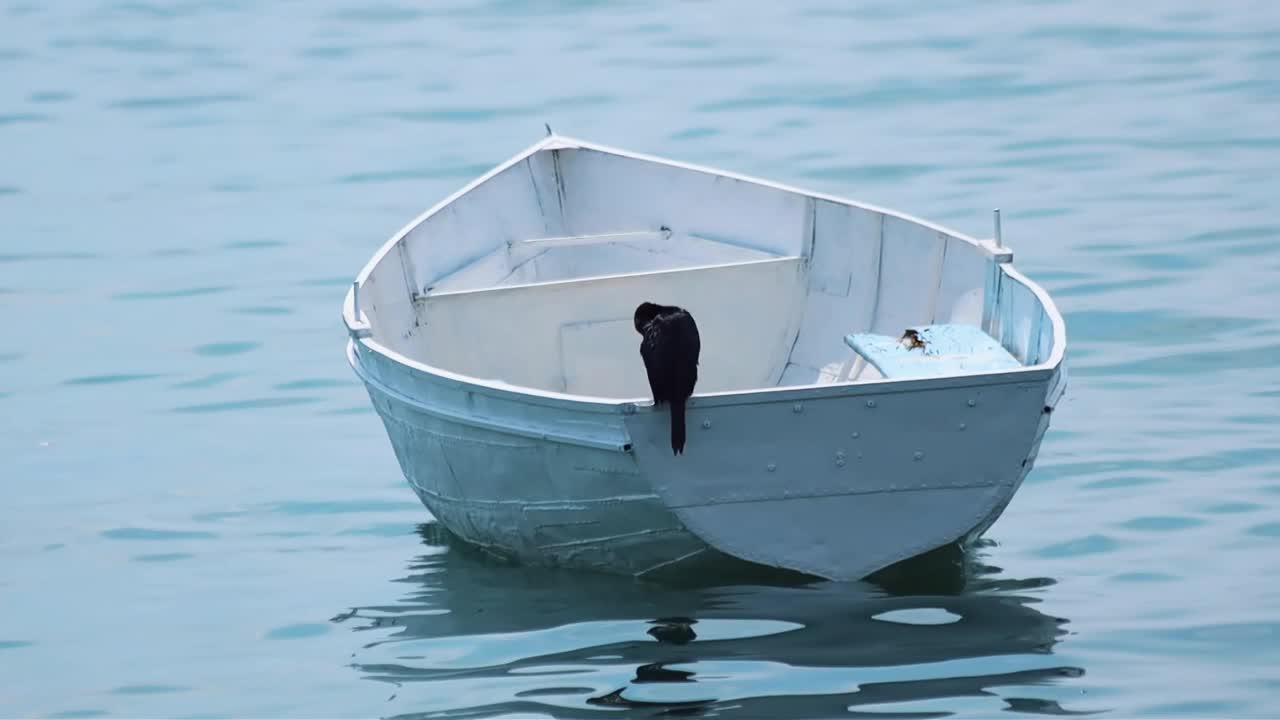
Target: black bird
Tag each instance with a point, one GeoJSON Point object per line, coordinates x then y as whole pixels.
{"type": "Point", "coordinates": [670, 350]}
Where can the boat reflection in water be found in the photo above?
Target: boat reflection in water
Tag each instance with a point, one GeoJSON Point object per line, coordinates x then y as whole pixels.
{"type": "Point", "coordinates": [477, 637]}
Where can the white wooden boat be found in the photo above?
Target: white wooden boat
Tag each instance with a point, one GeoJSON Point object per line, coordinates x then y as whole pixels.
{"type": "Point", "coordinates": [494, 335]}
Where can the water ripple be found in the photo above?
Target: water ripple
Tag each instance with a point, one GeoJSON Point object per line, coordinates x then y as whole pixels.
{"type": "Point", "coordinates": [736, 651]}
{"type": "Point", "coordinates": [695, 133]}
{"type": "Point", "coordinates": [1162, 523]}
{"type": "Point", "coordinates": [1160, 328]}
{"type": "Point", "coordinates": [453, 115]}
{"type": "Point", "coordinates": [263, 310]}
{"type": "Point", "coordinates": [300, 507]}
{"type": "Point", "coordinates": [161, 557]}
{"type": "Point", "coordinates": [314, 384]}
{"type": "Point", "coordinates": [136, 533]}
{"type": "Point", "coordinates": [854, 173]}
{"type": "Point", "coordinates": [51, 96]}
{"type": "Point", "coordinates": [1105, 36]}
{"type": "Point", "coordinates": [111, 379]}
{"type": "Point", "coordinates": [175, 102]}
{"type": "Point", "coordinates": [220, 349]}
{"type": "Point", "coordinates": [1190, 363]}
{"type": "Point", "coordinates": [207, 381]}
{"type": "Point", "coordinates": [232, 406]}
{"type": "Point", "coordinates": [1088, 545]}
{"type": "Point", "coordinates": [1270, 530]}
{"type": "Point", "coordinates": [45, 256]}
{"type": "Point", "coordinates": [898, 93]}
{"type": "Point", "coordinates": [261, 244]}
{"type": "Point", "coordinates": [379, 13]}
{"type": "Point", "coordinates": [23, 118]}
{"type": "Point", "coordinates": [433, 173]}
{"type": "Point", "coordinates": [148, 689]}
{"type": "Point", "coordinates": [173, 294]}
{"type": "Point", "coordinates": [298, 631]}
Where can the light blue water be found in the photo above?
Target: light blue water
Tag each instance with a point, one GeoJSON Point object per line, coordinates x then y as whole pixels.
{"type": "Point", "coordinates": [202, 516]}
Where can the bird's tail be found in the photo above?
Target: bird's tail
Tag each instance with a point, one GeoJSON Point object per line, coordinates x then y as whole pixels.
{"type": "Point", "coordinates": [677, 427]}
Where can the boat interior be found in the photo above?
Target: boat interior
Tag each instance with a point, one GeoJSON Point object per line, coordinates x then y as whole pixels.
{"type": "Point", "coordinates": [531, 276]}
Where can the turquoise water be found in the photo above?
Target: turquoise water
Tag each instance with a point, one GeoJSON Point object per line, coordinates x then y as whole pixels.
{"type": "Point", "coordinates": [203, 517]}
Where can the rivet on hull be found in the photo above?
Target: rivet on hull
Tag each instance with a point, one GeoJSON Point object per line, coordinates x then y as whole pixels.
{"type": "Point", "coordinates": [963, 426]}
{"type": "Point", "coordinates": [772, 466]}
{"type": "Point", "coordinates": [855, 435]}
{"type": "Point", "coordinates": [918, 455]}
{"type": "Point", "coordinates": [706, 424]}
{"type": "Point", "coordinates": [972, 402]}
{"type": "Point", "coordinates": [871, 403]}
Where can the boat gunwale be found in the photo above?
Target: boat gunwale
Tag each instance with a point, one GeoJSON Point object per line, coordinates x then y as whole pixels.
{"type": "Point", "coordinates": [1039, 372]}
{"type": "Point", "coordinates": [775, 394]}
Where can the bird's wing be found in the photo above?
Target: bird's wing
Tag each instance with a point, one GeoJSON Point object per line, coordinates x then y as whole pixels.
{"type": "Point", "coordinates": [671, 348]}
{"type": "Point", "coordinates": [683, 347]}
{"type": "Point", "coordinates": [692, 340]}
{"type": "Point", "coordinates": [652, 367]}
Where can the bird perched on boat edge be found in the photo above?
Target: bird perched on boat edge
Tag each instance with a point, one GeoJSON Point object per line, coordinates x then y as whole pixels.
{"type": "Point", "coordinates": [670, 351]}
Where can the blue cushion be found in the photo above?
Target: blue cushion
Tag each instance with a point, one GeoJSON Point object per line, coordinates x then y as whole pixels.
{"type": "Point", "coordinates": [948, 350]}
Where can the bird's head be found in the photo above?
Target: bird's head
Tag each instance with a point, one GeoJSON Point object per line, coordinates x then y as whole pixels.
{"type": "Point", "coordinates": [645, 312]}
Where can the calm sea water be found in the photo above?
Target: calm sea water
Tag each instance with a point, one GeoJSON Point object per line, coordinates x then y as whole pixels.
{"type": "Point", "coordinates": [203, 517]}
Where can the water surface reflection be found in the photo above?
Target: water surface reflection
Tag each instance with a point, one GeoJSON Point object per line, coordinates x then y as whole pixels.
{"type": "Point", "coordinates": [942, 634]}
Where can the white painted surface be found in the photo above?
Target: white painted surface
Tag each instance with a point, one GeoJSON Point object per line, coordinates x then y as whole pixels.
{"type": "Point", "coordinates": [578, 336]}
{"type": "Point", "coordinates": [508, 376]}
{"type": "Point", "coordinates": [532, 261]}
{"type": "Point", "coordinates": [568, 214]}
{"type": "Point", "coordinates": [507, 207]}
{"type": "Point", "coordinates": [606, 191]}
{"type": "Point", "coordinates": [848, 481]}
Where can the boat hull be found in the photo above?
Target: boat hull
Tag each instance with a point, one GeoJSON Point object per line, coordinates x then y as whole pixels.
{"type": "Point", "coordinates": [845, 481]}
{"type": "Point", "coordinates": [545, 495]}
{"type": "Point", "coordinates": [832, 482]}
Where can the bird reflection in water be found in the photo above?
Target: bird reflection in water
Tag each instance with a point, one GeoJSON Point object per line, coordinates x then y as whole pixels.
{"type": "Point", "coordinates": [781, 647]}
